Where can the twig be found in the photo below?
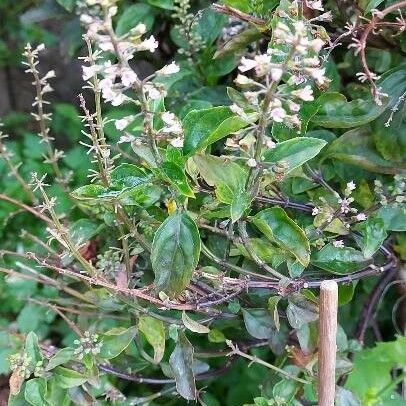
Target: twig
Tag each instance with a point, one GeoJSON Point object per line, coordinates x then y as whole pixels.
{"type": "Point", "coordinates": [371, 303]}
{"type": "Point", "coordinates": [236, 351]}
{"type": "Point", "coordinates": [233, 12]}
{"type": "Point", "coordinates": [25, 207]}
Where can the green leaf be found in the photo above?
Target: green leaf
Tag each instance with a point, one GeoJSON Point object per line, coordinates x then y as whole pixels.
{"type": "Point", "coordinates": [30, 317]}
{"type": "Point", "coordinates": [67, 4]}
{"type": "Point", "coordinates": [165, 4]}
{"type": "Point", "coordinates": [193, 325]}
{"type": "Point", "coordinates": [133, 15]}
{"type": "Point", "coordinates": [285, 390]}
{"type": "Point", "coordinates": [259, 323]}
{"type": "Point", "coordinates": [294, 152]}
{"type": "Point", "coordinates": [32, 349]}
{"type": "Point", "coordinates": [373, 234]}
{"type": "Point", "coordinates": [216, 336]}
{"type": "Point", "coordinates": [339, 260]}
{"type": "Point", "coordinates": [175, 253]}
{"type": "Point", "coordinates": [35, 392]}
{"type": "Point", "coordinates": [204, 127]}
{"type": "Point", "coordinates": [371, 4]}
{"type": "Point", "coordinates": [372, 370]}
{"type": "Point", "coordinates": [56, 395]}
{"type": "Point", "coordinates": [181, 362]}
{"type": "Point", "coordinates": [273, 309]}
{"type": "Point", "coordinates": [210, 24]}
{"type": "Point", "coordinates": [88, 192]}
{"type": "Point", "coordinates": [267, 252]}
{"type": "Point", "coordinates": [260, 401]}
{"type": "Point", "coordinates": [300, 311]}
{"type": "Point", "coordinates": [336, 112]}
{"type": "Point", "coordinates": [241, 202]}
{"type": "Point", "coordinates": [394, 217]}
{"type": "Point", "coordinates": [278, 227]}
{"type": "Point", "coordinates": [242, 5]}
{"type": "Point", "coordinates": [345, 397]}
{"type": "Point", "coordinates": [115, 341]}
{"type": "Point", "coordinates": [176, 176]}
{"type": "Point", "coordinates": [357, 148]}
{"type": "Point", "coordinates": [228, 177]}
{"type": "Point", "coordinates": [83, 230]}
{"type": "Point", "coordinates": [154, 331]}
{"type": "Point", "coordinates": [238, 43]}
{"type": "Point", "coordinates": [68, 378]}
{"type": "Point", "coordinates": [390, 140]}
{"type": "Point", "coordinates": [61, 357]}
{"type": "Point", "coordinates": [128, 175]}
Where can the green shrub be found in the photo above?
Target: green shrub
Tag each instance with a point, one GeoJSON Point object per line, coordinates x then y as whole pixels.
{"type": "Point", "coordinates": [241, 169]}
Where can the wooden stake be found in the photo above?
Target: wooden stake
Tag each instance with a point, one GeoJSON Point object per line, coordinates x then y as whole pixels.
{"type": "Point", "coordinates": [327, 342]}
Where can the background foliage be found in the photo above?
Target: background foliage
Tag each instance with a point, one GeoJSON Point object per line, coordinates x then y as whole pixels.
{"type": "Point", "coordinates": [186, 205]}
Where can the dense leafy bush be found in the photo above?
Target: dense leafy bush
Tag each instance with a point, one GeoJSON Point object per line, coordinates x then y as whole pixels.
{"type": "Point", "coordinates": [229, 162]}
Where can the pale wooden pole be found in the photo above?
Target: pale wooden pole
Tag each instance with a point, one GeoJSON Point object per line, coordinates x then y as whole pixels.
{"type": "Point", "coordinates": [327, 342]}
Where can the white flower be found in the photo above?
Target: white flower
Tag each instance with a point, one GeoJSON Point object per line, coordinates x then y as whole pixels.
{"type": "Point", "coordinates": [252, 97]}
{"type": "Point", "coordinates": [118, 99]}
{"type": "Point", "coordinates": [169, 69]}
{"type": "Point", "coordinates": [300, 28]}
{"type": "Point", "coordinates": [123, 122]}
{"type": "Point", "coordinates": [106, 45]}
{"type": "Point", "coordinates": [361, 217]}
{"type": "Point", "coordinates": [177, 142]}
{"type": "Point", "coordinates": [173, 125]}
{"type": "Point", "coordinates": [242, 80]}
{"type": "Point", "coordinates": [150, 44]}
{"type": "Point", "coordinates": [230, 143]}
{"type": "Point", "coordinates": [317, 74]}
{"type": "Point", "coordinates": [315, 5]}
{"type": "Point", "coordinates": [89, 71]}
{"type": "Point", "coordinates": [270, 143]}
{"type": "Point", "coordinates": [293, 106]}
{"type": "Point", "coordinates": [315, 211]}
{"type": "Point", "coordinates": [106, 84]}
{"type": "Point", "coordinates": [153, 92]}
{"type": "Point", "coordinates": [49, 75]}
{"type": "Point", "coordinates": [312, 62]}
{"type": "Point", "coordinates": [276, 74]}
{"type": "Point", "coordinates": [345, 204]}
{"type": "Point", "coordinates": [168, 117]}
{"type": "Point", "coordinates": [252, 163]}
{"type": "Point", "coordinates": [278, 114]}
{"type": "Point", "coordinates": [237, 110]}
{"type": "Point", "coordinates": [86, 19]}
{"type": "Point", "coordinates": [247, 64]}
{"type": "Point", "coordinates": [126, 138]}
{"type": "Point", "coordinates": [140, 29]}
{"type": "Point", "coordinates": [293, 121]}
{"type": "Point", "coordinates": [305, 93]}
{"type": "Point", "coordinates": [338, 243]}
{"type": "Point", "coordinates": [351, 186]}
{"type": "Point", "coordinates": [317, 44]}
{"type": "Point", "coordinates": [128, 77]}
{"type": "Point", "coordinates": [263, 64]}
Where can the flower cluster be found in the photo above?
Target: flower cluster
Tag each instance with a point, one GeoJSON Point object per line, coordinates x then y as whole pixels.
{"type": "Point", "coordinates": [20, 364]}
{"type": "Point", "coordinates": [394, 194]}
{"type": "Point", "coordinates": [42, 86]}
{"type": "Point", "coordinates": [110, 263]}
{"type": "Point", "coordinates": [117, 81]}
{"type": "Point", "coordinates": [186, 28]}
{"type": "Point", "coordinates": [284, 74]}
{"type": "Point", "coordinates": [88, 344]}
